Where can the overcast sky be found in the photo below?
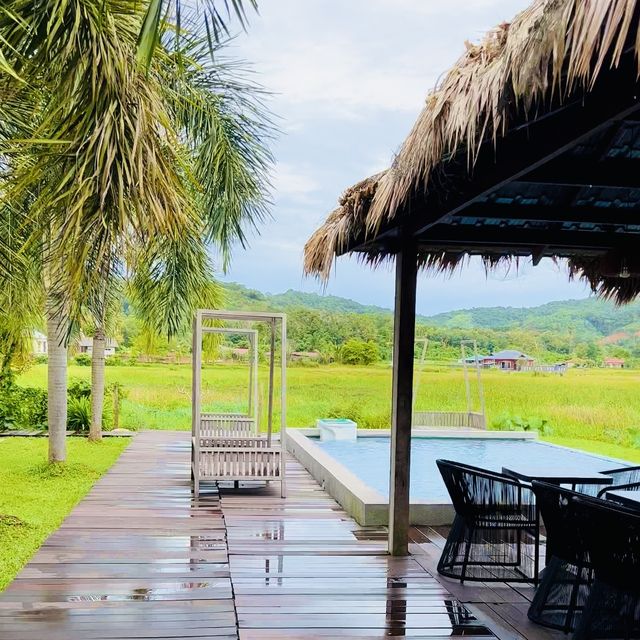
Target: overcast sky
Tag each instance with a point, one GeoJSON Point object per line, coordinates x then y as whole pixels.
{"type": "Point", "coordinates": [349, 79]}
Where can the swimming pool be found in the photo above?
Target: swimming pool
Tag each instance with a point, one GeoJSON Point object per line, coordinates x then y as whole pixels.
{"type": "Point", "coordinates": [368, 459]}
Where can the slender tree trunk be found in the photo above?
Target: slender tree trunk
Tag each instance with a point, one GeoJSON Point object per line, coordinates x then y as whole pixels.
{"type": "Point", "coordinates": [56, 383]}
{"type": "Point", "coordinates": [97, 384]}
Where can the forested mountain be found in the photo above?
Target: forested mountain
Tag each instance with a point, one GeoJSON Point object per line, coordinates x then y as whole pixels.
{"type": "Point", "coordinates": [239, 297]}
{"type": "Point", "coordinates": [587, 319]}
{"type": "Point", "coordinates": [582, 330]}
{"type": "Point", "coordinates": [588, 329]}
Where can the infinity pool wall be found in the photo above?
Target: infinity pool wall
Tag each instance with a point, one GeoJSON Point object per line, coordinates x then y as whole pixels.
{"type": "Point", "coordinates": [356, 474]}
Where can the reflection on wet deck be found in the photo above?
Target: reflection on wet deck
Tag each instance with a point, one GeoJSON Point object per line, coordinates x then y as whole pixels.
{"type": "Point", "coordinates": [140, 558]}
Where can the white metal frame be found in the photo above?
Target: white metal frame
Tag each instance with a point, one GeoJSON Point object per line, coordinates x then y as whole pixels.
{"type": "Point", "coordinates": [229, 446]}
{"type": "Point", "coordinates": [457, 419]}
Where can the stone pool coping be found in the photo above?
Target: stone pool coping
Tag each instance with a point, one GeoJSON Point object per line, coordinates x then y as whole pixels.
{"type": "Point", "coordinates": [366, 505]}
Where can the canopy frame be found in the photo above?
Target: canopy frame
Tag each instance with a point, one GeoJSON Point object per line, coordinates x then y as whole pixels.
{"type": "Point", "coordinates": [230, 446]}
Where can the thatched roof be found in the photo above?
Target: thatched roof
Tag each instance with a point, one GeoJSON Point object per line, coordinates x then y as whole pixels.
{"type": "Point", "coordinates": [550, 51]}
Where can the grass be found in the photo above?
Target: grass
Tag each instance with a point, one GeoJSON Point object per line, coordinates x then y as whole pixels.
{"type": "Point", "coordinates": [35, 497]}
{"type": "Point", "coordinates": [588, 407]}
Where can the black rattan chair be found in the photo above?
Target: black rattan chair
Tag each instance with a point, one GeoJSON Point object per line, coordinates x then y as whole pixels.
{"type": "Point", "coordinates": [623, 477]}
{"type": "Point", "coordinates": [495, 534]}
{"type": "Point", "coordinates": [610, 534]}
{"type": "Point", "coordinates": [564, 588]}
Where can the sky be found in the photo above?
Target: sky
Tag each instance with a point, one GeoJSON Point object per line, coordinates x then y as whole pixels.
{"type": "Point", "coordinates": [348, 79]}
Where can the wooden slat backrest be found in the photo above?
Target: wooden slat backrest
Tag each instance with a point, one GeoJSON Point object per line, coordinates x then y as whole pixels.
{"type": "Point", "coordinates": [453, 419]}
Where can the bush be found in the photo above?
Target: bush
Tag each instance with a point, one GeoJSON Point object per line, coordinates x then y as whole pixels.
{"type": "Point", "coordinates": [509, 422]}
{"type": "Point", "coordinates": [22, 408]}
{"type": "Point", "coordinates": [351, 411]}
{"type": "Point", "coordinates": [359, 352]}
{"type": "Point", "coordinates": [26, 407]}
{"type": "Point", "coordinates": [79, 413]}
{"type": "Point", "coordinates": [83, 359]}
{"type": "Point", "coordinates": [119, 361]}
{"type": "Point", "coordinates": [41, 359]}
{"type": "Point", "coordinates": [79, 389]}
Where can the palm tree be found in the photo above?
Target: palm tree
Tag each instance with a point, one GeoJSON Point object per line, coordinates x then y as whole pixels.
{"type": "Point", "coordinates": [121, 159]}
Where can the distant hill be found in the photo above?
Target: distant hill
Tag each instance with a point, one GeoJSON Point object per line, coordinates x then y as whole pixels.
{"type": "Point", "coordinates": [588, 319]}
{"type": "Point", "coordinates": [591, 318]}
{"type": "Point", "coordinates": [241, 297]}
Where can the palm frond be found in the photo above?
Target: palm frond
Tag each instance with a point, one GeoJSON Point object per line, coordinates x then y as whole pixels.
{"type": "Point", "coordinates": [170, 279]}
{"type": "Point", "coordinates": [222, 118]}
{"type": "Point", "coordinates": [214, 15]}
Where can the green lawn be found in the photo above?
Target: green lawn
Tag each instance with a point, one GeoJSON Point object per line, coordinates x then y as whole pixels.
{"type": "Point", "coordinates": [36, 497]}
{"type": "Point", "coordinates": [595, 409]}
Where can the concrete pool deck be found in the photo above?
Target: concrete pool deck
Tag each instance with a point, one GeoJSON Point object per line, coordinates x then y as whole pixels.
{"type": "Point", "coordinates": [363, 503]}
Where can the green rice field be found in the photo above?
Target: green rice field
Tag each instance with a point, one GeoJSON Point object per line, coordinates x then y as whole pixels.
{"type": "Point", "coordinates": [595, 409]}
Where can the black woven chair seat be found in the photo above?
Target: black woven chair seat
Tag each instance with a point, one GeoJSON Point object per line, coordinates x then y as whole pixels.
{"type": "Point", "coordinates": [560, 598]}
{"type": "Point", "coordinates": [619, 476]}
{"type": "Point", "coordinates": [495, 535]}
{"type": "Point", "coordinates": [503, 518]}
{"type": "Point", "coordinates": [610, 534]}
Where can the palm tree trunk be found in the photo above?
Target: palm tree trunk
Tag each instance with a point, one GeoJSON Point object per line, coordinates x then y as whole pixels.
{"type": "Point", "coordinates": [97, 384]}
{"type": "Point", "coordinates": [56, 383]}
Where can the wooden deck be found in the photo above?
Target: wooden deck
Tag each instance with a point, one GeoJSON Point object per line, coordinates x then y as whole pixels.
{"type": "Point", "coordinates": [140, 558]}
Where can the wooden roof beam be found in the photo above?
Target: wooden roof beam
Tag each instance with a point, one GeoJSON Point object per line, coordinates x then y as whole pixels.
{"type": "Point", "coordinates": [552, 214]}
{"type": "Point", "coordinates": [619, 173]}
{"type": "Point", "coordinates": [539, 142]}
{"type": "Point", "coordinates": [500, 237]}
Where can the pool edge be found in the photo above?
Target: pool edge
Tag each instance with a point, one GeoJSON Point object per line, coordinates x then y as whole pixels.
{"type": "Point", "coordinates": [366, 505]}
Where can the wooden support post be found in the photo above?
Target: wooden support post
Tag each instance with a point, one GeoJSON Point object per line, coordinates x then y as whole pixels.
{"type": "Point", "coordinates": [272, 364]}
{"type": "Point", "coordinates": [196, 357]}
{"type": "Point", "coordinates": [402, 399]}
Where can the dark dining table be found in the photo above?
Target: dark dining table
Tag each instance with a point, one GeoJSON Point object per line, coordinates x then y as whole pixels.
{"type": "Point", "coordinates": [625, 497]}
{"type": "Point", "coordinates": [528, 472]}
{"type": "Point", "coordinates": [539, 471]}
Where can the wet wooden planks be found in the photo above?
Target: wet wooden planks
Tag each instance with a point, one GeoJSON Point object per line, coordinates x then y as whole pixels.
{"type": "Point", "coordinates": [137, 558]}
{"type": "Point", "coordinates": [503, 606]}
{"type": "Point", "coordinates": [301, 568]}
{"type": "Point", "coordinates": [140, 558]}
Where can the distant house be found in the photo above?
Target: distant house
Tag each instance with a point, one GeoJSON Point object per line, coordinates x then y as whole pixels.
{"type": "Point", "coordinates": [85, 345]}
{"type": "Point", "coordinates": [509, 360]}
{"type": "Point", "coordinates": [304, 355]}
{"type": "Point", "coordinates": [39, 344]}
{"type": "Point", "coordinates": [473, 359]}
{"type": "Point", "coordinates": [614, 363]}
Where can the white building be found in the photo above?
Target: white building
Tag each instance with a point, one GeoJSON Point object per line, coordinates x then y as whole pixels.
{"type": "Point", "coordinates": [85, 345]}
{"type": "Point", "coordinates": [39, 344]}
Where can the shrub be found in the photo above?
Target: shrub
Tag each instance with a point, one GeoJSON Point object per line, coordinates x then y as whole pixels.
{"type": "Point", "coordinates": [79, 413]}
{"type": "Point", "coordinates": [359, 352]}
{"type": "Point", "coordinates": [83, 359]}
{"type": "Point", "coordinates": [33, 408]}
{"type": "Point", "coordinates": [41, 359]}
{"type": "Point", "coordinates": [351, 411]}
{"type": "Point", "coordinates": [22, 408]}
{"type": "Point", "coordinates": [509, 422]}
{"type": "Point", "coordinates": [79, 389]}
{"type": "Point", "coordinates": [376, 421]}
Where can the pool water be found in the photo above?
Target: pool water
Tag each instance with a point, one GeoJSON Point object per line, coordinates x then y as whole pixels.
{"type": "Point", "coordinates": [368, 458]}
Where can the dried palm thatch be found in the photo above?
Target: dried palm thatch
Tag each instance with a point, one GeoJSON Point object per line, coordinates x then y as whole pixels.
{"type": "Point", "coordinates": [553, 48]}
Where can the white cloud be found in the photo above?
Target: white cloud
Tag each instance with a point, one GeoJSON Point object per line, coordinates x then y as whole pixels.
{"type": "Point", "coordinates": [289, 181]}
{"type": "Point", "coordinates": [349, 78]}
{"type": "Point", "coordinates": [351, 58]}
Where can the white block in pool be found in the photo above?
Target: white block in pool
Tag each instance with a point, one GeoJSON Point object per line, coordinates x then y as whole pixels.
{"type": "Point", "coordinates": [336, 429]}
